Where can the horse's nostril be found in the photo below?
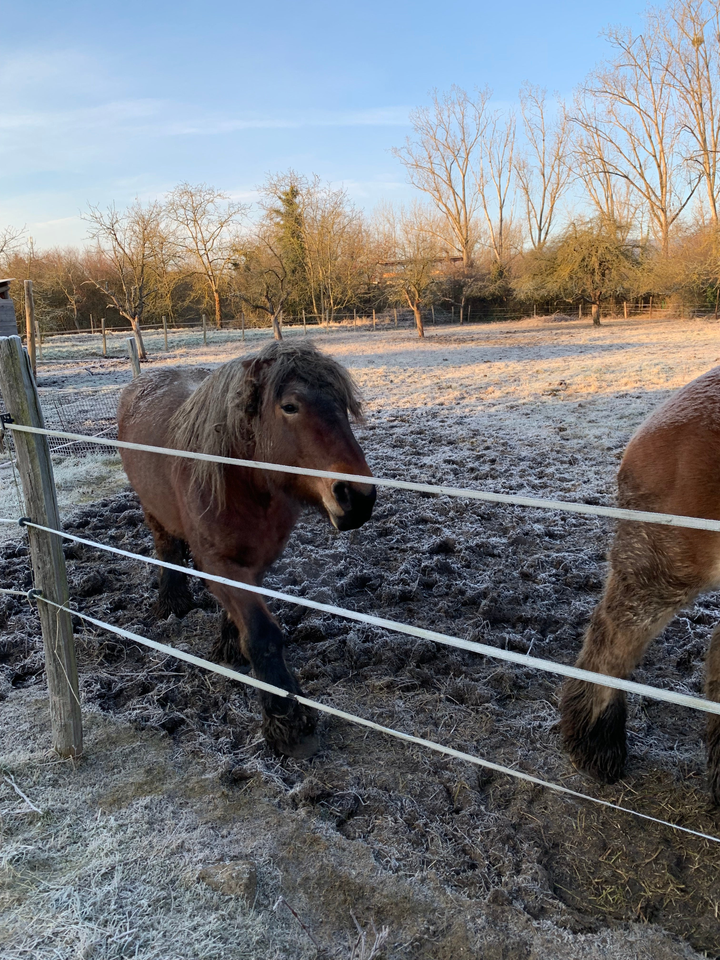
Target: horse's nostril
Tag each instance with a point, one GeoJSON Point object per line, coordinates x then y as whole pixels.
{"type": "Point", "coordinates": [341, 492]}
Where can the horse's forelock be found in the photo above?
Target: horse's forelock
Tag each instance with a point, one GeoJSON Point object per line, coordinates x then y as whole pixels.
{"type": "Point", "coordinates": [280, 364]}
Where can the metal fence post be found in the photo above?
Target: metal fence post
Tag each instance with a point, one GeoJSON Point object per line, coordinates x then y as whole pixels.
{"type": "Point", "coordinates": [35, 467]}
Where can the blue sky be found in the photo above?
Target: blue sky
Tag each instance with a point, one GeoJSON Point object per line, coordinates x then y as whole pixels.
{"type": "Point", "coordinates": [104, 102]}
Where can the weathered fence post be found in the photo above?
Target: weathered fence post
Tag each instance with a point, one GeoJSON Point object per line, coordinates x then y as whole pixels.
{"type": "Point", "coordinates": [625, 308]}
{"type": "Point", "coordinates": [242, 321]}
{"type": "Point", "coordinates": [432, 308]}
{"type": "Point", "coordinates": [35, 467]}
{"type": "Point", "coordinates": [304, 325]}
{"type": "Point", "coordinates": [92, 325]}
{"type": "Point", "coordinates": [580, 310]}
{"type": "Point", "coordinates": [204, 319]}
{"type": "Point", "coordinates": [134, 358]}
{"type": "Point", "coordinates": [165, 332]}
{"type": "Point", "coordinates": [373, 318]}
{"type": "Point", "coordinates": [30, 324]}
{"type": "Point", "coordinates": [395, 311]}
{"type": "Point", "coordinates": [38, 340]}
{"type": "Point", "coordinates": [355, 317]}
{"type": "Point", "coordinates": [104, 338]}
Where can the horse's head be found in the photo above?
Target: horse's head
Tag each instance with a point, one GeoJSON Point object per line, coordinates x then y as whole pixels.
{"type": "Point", "coordinates": [303, 402]}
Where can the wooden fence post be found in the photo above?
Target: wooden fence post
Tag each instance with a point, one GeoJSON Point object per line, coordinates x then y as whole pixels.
{"type": "Point", "coordinates": [35, 467]}
{"type": "Point", "coordinates": [625, 308]}
{"type": "Point", "coordinates": [242, 320]}
{"type": "Point", "coordinates": [395, 310]}
{"type": "Point", "coordinates": [165, 332]}
{"type": "Point", "coordinates": [104, 338]}
{"type": "Point", "coordinates": [432, 307]}
{"type": "Point", "coordinates": [38, 340]}
{"type": "Point", "coordinates": [304, 325]}
{"type": "Point", "coordinates": [355, 317]}
{"type": "Point", "coordinates": [134, 358]}
{"type": "Point", "coordinates": [30, 325]}
{"type": "Point", "coordinates": [373, 318]}
{"type": "Point", "coordinates": [204, 318]}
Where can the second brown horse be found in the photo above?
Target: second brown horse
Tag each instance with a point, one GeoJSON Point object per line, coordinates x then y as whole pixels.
{"type": "Point", "coordinates": [671, 465]}
{"type": "Point", "coordinates": [290, 405]}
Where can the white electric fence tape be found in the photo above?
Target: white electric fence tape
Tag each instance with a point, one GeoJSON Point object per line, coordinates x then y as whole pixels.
{"type": "Point", "coordinates": [643, 516]}
{"type": "Point", "coordinates": [361, 721]}
{"type": "Point", "coordinates": [522, 659]}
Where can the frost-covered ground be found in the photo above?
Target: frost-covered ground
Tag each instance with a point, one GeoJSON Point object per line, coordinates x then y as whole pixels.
{"type": "Point", "coordinates": [454, 863]}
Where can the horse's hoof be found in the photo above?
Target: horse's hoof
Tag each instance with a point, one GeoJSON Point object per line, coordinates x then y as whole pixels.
{"type": "Point", "coordinates": [292, 735]}
{"type": "Point", "coordinates": [301, 749]}
{"type": "Point", "coordinates": [180, 606]}
{"type": "Point", "coordinates": [598, 748]}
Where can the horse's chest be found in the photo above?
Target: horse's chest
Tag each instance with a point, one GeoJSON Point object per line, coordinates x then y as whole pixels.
{"type": "Point", "coordinates": [257, 536]}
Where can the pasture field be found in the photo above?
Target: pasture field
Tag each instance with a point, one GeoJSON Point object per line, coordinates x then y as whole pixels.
{"type": "Point", "coordinates": [373, 848]}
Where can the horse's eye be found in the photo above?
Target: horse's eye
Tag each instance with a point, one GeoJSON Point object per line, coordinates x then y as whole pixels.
{"type": "Point", "coordinates": [289, 408]}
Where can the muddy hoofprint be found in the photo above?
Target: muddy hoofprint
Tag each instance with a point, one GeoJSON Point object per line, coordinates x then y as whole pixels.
{"type": "Point", "coordinates": [288, 404]}
{"type": "Point", "coordinates": [672, 464]}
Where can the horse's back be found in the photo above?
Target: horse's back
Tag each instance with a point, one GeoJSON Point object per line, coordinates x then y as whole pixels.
{"type": "Point", "coordinates": [149, 402]}
{"type": "Point", "coordinates": [144, 412]}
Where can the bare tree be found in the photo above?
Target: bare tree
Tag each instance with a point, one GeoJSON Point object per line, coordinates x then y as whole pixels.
{"type": "Point", "coordinates": [65, 272]}
{"type": "Point", "coordinates": [628, 111]}
{"type": "Point", "coordinates": [411, 261]}
{"type": "Point", "coordinates": [494, 180]}
{"type": "Point", "coordinates": [260, 276]}
{"type": "Point", "coordinates": [336, 248]}
{"type": "Point", "coordinates": [443, 160]}
{"type": "Point", "coordinates": [543, 169]}
{"type": "Point", "coordinates": [128, 241]}
{"type": "Point", "coordinates": [9, 239]}
{"type": "Point", "coordinates": [690, 32]}
{"type": "Point", "coordinates": [206, 218]}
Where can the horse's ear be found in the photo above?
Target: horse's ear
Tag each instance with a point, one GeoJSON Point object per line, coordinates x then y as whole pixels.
{"type": "Point", "coordinates": [252, 388]}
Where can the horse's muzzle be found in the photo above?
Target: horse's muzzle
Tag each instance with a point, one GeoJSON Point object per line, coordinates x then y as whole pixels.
{"type": "Point", "coordinates": [356, 503]}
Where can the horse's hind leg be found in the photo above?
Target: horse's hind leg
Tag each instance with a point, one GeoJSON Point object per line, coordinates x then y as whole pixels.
{"type": "Point", "coordinates": [648, 584]}
{"type": "Point", "coordinates": [173, 592]}
{"type": "Point", "coordinates": [229, 647]}
{"type": "Point", "coordinates": [712, 691]}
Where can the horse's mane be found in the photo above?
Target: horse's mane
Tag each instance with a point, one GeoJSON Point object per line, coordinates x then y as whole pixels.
{"type": "Point", "coordinates": [224, 415]}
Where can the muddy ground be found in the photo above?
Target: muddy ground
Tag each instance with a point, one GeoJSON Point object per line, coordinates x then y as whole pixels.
{"type": "Point", "coordinates": [445, 860]}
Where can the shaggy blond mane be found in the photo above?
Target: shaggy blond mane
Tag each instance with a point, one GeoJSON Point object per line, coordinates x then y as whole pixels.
{"type": "Point", "coordinates": [224, 416]}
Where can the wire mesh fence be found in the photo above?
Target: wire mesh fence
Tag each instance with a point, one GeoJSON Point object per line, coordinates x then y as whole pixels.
{"type": "Point", "coordinates": [88, 411]}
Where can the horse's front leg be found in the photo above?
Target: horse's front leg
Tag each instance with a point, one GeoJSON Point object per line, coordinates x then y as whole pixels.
{"type": "Point", "coordinates": [648, 583]}
{"type": "Point", "coordinates": [288, 727]}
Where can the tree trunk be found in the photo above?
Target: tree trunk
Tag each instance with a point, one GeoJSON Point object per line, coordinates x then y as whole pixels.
{"type": "Point", "coordinates": [596, 312]}
{"type": "Point", "coordinates": [135, 323]}
{"type": "Point", "coordinates": [418, 321]}
{"type": "Point", "coordinates": [277, 329]}
{"type": "Point", "coordinates": [218, 309]}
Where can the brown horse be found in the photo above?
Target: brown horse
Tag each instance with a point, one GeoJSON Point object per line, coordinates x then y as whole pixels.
{"type": "Point", "coordinates": [671, 465]}
{"type": "Point", "coordinates": [288, 405]}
